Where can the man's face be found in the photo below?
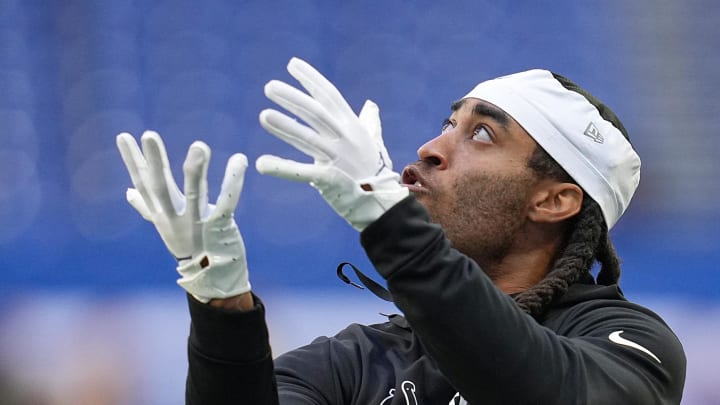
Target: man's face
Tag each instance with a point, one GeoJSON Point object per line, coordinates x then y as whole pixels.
{"type": "Point", "coordinates": [474, 180]}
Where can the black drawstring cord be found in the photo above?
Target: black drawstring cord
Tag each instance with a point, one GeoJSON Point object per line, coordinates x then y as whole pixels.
{"type": "Point", "coordinates": [374, 287]}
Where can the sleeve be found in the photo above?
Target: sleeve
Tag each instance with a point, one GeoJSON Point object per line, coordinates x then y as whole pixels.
{"type": "Point", "coordinates": [229, 357]}
{"type": "Point", "coordinates": [490, 350]}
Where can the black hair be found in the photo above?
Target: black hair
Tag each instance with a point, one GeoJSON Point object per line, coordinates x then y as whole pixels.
{"type": "Point", "coordinates": [587, 239]}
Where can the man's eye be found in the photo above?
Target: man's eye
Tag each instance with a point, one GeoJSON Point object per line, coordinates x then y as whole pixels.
{"type": "Point", "coordinates": [481, 134]}
{"type": "Point", "coordinates": [446, 126]}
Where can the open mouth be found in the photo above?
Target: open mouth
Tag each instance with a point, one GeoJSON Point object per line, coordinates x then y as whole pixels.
{"type": "Point", "coordinates": [412, 179]}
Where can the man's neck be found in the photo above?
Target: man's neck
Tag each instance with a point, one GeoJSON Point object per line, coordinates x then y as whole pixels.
{"type": "Point", "coordinates": [522, 268]}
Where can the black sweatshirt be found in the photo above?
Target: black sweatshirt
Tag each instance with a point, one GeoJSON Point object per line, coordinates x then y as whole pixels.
{"type": "Point", "coordinates": [459, 333]}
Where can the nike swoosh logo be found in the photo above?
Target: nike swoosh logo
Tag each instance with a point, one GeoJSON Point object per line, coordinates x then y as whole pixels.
{"type": "Point", "coordinates": [616, 338]}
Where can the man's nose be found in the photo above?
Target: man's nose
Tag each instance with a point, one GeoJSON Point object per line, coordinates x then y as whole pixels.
{"type": "Point", "coordinates": [436, 151]}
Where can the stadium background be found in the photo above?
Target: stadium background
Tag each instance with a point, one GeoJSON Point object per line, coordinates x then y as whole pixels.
{"type": "Point", "coordinates": [90, 313]}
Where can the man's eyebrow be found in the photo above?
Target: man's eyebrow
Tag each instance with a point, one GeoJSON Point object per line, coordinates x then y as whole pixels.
{"type": "Point", "coordinates": [456, 105]}
{"type": "Point", "coordinates": [485, 109]}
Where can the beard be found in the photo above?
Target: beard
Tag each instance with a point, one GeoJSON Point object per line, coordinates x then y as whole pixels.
{"type": "Point", "coordinates": [483, 214]}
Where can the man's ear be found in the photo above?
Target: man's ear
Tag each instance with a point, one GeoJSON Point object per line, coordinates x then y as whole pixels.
{"type": "Point", "coordinates": [553, 201]}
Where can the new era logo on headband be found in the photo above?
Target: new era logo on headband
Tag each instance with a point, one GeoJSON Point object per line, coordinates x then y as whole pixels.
{"type": "Point", "coordinates": [594, 133]}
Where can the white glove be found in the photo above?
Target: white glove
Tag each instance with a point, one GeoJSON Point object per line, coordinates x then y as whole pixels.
{"type": "Point", "coordinates": [204, 238]}
{"type": "Point", "coordinates": [351, 169]}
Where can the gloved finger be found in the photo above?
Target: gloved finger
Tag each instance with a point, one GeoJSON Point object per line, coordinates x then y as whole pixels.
{"type": "Point", "coordinates": [136, 165]}
{"type": "Point", "coordinates": [131, 155]}
{"type": "Point", "coordinates": [195, 170]}
{"type": "Point", "coordinates": [136, 200]}
{"type": "Point", "coordinates": [289, 169]}
{"type": "Point", "coordinates": [231, 186]}
{"type": "Point", "coordinates": [320, 88]}
{"type": "Point", "coordinates": [304, 106]}
{"type": "Point", "coordinates": [159, 174]}
{"type": "Point", "coordinates": [296, 134]}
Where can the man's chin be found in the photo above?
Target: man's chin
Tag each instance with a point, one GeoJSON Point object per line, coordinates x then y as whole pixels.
{"type": "Point", "coordinates": [426, 202]}
{"type": "Point", "coordinates": [420, 197]}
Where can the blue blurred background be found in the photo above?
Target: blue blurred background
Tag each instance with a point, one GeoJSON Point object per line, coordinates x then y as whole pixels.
{"type": "Point", "coordinates": [90, 310]}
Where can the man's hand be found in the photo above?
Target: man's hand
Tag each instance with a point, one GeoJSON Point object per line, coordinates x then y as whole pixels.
{"type": "Point", "coordinates": [351, 169]}
{"type": "Point", "coordinates": [204, 238]}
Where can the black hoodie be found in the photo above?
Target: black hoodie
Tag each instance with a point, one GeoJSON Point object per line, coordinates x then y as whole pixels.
{"type": "Point", "coordinates": [459, 334]}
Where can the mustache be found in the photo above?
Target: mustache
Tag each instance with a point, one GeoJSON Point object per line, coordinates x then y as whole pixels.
{"type": "Point", "coordinates": [413, 172]}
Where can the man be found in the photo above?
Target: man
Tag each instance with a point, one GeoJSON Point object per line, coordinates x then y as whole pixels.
{"type": "Point", "coordinates": [486, 248]}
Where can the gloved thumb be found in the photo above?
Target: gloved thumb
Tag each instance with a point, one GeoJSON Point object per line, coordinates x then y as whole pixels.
{"type": "Point", "coordinates": [290, 169]}
{"type": "Point", "coordinates": [370, 119]}
{"type": "Point", "coordinates": [135, 199]}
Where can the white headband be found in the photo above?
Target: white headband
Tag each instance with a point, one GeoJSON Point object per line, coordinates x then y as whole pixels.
{"type": "Point", "coordinates": [591, 149]}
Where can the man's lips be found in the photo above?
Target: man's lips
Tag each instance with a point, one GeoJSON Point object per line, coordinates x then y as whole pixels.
{"type": "Point", "coordinates": [413, 180]}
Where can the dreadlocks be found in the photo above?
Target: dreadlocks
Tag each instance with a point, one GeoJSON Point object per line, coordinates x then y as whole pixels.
{"type": "Point", "coordinates": [587, 241]}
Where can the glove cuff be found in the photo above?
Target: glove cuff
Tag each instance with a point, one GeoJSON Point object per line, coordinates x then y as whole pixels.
{"type": "Point", "coordinates": [374, 204]}
{"type": "Point", "coordinates": [386, 180]}
{"type": "Point", "coordinates": [207, 277]}
{"type": "Point", "coordinates": [359, 207]}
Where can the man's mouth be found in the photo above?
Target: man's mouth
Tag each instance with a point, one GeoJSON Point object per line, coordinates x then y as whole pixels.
{"type": "Point", "coordinates": [412, 179]}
